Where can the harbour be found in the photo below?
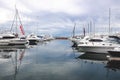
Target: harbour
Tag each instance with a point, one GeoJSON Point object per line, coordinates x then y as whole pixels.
{"type": "Point", "coordinates": [59, 40]}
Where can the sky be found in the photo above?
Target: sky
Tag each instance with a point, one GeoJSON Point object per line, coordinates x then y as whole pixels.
{"type": "Point", "coordinates": [57, 17]}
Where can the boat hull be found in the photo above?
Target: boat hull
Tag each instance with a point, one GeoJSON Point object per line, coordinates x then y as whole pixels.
{"type": "Point", "coordinates": [96, 49]}
{"type": "Point", "coordinates": [13, 42]}
{"type": "Point", "coordinates": [18, 41]}
{"type": "Point", "coordinates": [33, 42]}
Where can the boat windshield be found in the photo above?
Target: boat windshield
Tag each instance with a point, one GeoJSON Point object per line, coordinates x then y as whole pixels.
{"type": "Point", "coordinates": [96, 40]}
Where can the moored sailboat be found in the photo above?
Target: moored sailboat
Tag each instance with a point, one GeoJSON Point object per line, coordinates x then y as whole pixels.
{"type": "Point", "coordinates": [11, 38]}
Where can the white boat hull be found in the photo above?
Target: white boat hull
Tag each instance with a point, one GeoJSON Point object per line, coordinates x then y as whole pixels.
{"type": "Point", "coordinates": [96, 49]}
{"type": "Point", "coordinates": [4, 42]}
{"type": "Point", "coordinates": [18, 42]}
{"type": "Point", "coordinates": [13, 42]}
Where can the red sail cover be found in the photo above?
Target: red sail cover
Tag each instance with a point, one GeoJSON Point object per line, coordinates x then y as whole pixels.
{"type": "Point", "coordinates": [22, 31]}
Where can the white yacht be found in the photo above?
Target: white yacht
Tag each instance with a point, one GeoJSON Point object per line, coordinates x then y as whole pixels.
{"type": "Point", "coordinates": [12, 39]}
{"type": "Point", "coordinates": [75, 40]}
{"type": "Point", "coordinates": [46, 37]}
{"type": "Point", "coordinates": [96, 44]}
{"type": "Point", "coordinates": [7, 39]}
{"type": "Point", "coordinates": [32, 38]}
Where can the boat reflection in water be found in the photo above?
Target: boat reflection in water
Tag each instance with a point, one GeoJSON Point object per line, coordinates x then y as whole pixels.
{"type": "Point", "coordinates": [114, 59]}
{"type": "Point", "coordinates": [32, 45]}
{"type": "Point", "coordinates": [18, 60]}
{"type": "Point", "coordinates": [14, 54]}
{"type": "Point", "coordinates": [113, 65]}
{"type": "Point", "coordinates": [6, 53]}
{"type": "Point", "coordinates": [93, 56]}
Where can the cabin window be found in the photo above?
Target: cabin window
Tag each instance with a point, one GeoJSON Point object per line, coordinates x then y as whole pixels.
{"type": "Point", "coordinates": [95, 40]}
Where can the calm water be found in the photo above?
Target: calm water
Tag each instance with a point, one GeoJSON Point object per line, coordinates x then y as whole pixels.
{"type": "Point", "coordinates": [55, 60]}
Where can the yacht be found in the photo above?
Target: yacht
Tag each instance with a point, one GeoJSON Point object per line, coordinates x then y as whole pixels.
{"type": "Point", "coordinates": [75, 40]}
{"type": "Point", "coordinates": [12, 39]}
{"type": "Point", "coordinates": [46, 37]}
{"type": "Point", "coordinates": [32, 38]}
{"type": "Point", "coordinates": [18, 41]}
{"type": "Point", "coordinates": [96, 44]}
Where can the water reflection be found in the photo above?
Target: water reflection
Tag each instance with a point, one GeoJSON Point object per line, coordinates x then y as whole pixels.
{"type": "Point", "coordinates": [113, 65]}
{"type": "Point", "coordinates": [110, 62]}
{"type": "Point", "coordinates": [54, 61]}
{"type": "Point", "coordinates": [101, 63]}
{"type": "Point", "coordinates": [100, 57]}
{"type": "Point", "coordinates": [17, 60]}
{"type": "Point", "coordinates": [32, 45]}
{"type": "Point", "coordinates": [15, 46]}
{"type": "Point", "coordinates": [6, 53]}
{"type": "Point", "coordinates": [12, 54]}
{"type": "Point", "coordinates": [93, 56]}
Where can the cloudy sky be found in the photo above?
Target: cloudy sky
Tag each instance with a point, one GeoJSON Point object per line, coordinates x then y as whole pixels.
{"type": "Point", "coordinates": [57, 17]}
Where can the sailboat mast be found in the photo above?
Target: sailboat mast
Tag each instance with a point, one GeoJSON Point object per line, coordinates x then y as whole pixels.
{"type": "Point", "coordinates": [94, 27]}
{"type": "Point", "coordinates": [16, 18]}
{"type": "Point", "coordinates": [74, 30]}
{"type": "Point", "coordinates": [88, 29]}
{"type": "Point", "coordinates": [13, 23]}
{"type": "Point", "coordinates": [109, 21]}
{"type": "Point", "coordinates": [84, 31]}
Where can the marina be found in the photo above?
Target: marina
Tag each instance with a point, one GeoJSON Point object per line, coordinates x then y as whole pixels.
{"type": "Point", "coordinates": [59, 40]}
